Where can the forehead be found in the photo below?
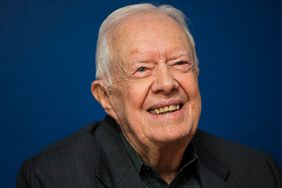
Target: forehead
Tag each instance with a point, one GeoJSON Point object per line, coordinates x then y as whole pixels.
{"type": "Point", "coordinates": [148, 32]}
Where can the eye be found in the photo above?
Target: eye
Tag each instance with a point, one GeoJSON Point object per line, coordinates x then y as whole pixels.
{"type": "Point", "coordinates": [141, 69]}
{"type": "Point", "coordinates": [180, 63]}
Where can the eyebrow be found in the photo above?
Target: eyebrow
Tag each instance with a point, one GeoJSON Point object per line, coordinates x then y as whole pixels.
{"type": "Point", "coordinates": [177, 55]}
{"type": "Point", "coordinates": [144, 57]}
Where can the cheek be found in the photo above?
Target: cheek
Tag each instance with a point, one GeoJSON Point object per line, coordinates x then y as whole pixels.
{"type": "Point", "coordinates": [191, 89]}
{"type": "Point", "coordinates": [134, 107]}
{"type": "Point", "coordinates": [190, 86]}
{"type": "Point", "coordinates": [136, 94]}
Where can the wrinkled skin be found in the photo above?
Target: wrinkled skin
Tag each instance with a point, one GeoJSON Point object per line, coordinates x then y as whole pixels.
{"type": "Point", "coordinates": [153, 68]}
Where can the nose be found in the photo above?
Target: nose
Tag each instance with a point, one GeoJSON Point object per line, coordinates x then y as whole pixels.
{"type": "Point", "coordinates": [164, 81]}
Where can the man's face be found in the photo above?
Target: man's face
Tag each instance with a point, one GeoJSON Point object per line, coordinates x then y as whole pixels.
{"type": "Point", "coordinates": [155, 95]}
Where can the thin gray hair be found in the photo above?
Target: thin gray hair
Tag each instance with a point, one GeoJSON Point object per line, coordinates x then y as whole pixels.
{"type": "Point", "coordinates": [104, 51]}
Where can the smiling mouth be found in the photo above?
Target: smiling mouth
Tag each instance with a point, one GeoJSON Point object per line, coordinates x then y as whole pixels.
{"type": "Point", "coordinates": [166, 109]}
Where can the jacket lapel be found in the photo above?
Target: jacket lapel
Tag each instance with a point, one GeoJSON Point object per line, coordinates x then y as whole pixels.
{"type": "Point", "coordinates": [213, 173]}
{"type": "Point", "coordinates": [115, 168]}
{"type": "Point", "coordinates": [210, 179]}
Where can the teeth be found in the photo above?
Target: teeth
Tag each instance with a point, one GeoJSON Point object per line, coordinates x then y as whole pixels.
{"type": "Point", "coordinates": [157, 111]}
{"type": "Point", "coordinates": [166, 109]}
{"type": "Point", "coordinates": [170, 108]}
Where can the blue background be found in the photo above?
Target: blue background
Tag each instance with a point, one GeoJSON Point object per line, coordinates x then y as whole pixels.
{"type": "Point", "coordinates": [47, 66]}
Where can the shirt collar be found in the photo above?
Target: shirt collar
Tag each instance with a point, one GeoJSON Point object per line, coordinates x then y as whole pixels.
{"type": "Point", "coordinates": [190, 155]}
{"type": "Point", "coordinates": [135, 158]}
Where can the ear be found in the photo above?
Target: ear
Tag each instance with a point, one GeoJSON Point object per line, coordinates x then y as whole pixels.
{"type": "Point", "coordinates": [101, 94]}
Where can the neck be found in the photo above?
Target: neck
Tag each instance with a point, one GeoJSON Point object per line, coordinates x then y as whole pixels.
{"type": "Point", "coordinates": [165, 158]}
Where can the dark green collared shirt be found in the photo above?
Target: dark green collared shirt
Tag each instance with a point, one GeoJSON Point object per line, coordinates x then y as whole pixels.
{"type": "Point", "coordinates": [186, 177]}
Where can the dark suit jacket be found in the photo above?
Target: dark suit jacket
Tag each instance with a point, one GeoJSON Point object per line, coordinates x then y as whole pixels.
{"type": "Point", "coordinates": [95, 157]}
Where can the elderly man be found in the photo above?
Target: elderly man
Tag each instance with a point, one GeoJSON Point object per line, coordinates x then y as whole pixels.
{"type": "Point", "coordinates": [147, 83]}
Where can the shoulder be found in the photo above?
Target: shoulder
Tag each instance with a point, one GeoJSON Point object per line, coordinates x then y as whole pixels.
{"type": "Point", "coordinates": [242, 161]}
{"type": "Point", "coordinates": [73, 156]}
{"type": "Point", "coordinates": [227, 151]}
{"type": "Point", "coordinates": [222, 146]}
{"type": "Point", "coordinates": [80, 141]}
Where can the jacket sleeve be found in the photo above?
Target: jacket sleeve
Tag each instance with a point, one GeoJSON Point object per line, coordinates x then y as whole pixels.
{"type": "Point", "coordinates": [31, 176]}
{"type": "Point", "coordinates": [276, 171]}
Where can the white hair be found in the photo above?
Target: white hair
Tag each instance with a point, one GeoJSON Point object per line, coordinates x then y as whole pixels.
{"type": "Point", "coordinates": [103, 48]}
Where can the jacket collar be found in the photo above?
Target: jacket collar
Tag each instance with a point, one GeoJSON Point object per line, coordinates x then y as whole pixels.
{"type": "Point", "coordinates": [212, 172]}
{"type": "Point", "coordinates": [114, 167]}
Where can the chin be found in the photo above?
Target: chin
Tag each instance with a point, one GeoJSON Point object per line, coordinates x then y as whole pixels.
{"type": "Point", "coordinates": [174, 135]}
